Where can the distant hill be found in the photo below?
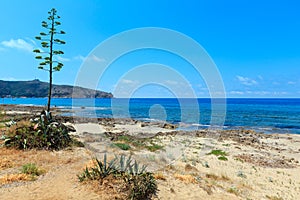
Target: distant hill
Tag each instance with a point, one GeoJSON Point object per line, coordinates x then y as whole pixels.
{"type": "Point", "coordinates": [38, 88]}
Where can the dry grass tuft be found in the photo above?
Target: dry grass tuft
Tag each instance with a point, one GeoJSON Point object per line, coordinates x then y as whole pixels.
{"type": "Point", "coordinates": [233, 190]}
{"type": "Point", "coordinates": [10, 178]}
{"type": "Point", "coordinates": [217, 178]}
{"type": "Point", "coordinates": [5, 163]}
{"type": "Point", "coordinates": [90, 164]}
{"type": "Point", "coordinates": [212, 176]}
{"type": "Point", "coordinates": [185, 178]}
{"type": "Point", "coordinates": [109, 188]}
{"type": "Point", "coordinates": [274, 198]}
{"type": "Point", "coordinates": [160, 176]}
{"type": "Point", "coordinates": [208, 188]}
{"type": "Point", "coordinates": [12, 158]}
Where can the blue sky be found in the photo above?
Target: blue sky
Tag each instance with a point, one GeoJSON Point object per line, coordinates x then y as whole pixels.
{"type": "Point", "coordinates": [255, 44]}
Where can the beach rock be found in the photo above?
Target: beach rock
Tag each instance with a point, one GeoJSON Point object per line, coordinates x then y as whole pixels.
{"type": "Point", "coordinates": [264, 162]}
{"type": "Point", "coordinates": [169, 126]}
{"type": "Point", "coordinates": [144, 124]}
{"type": "Point", "coordinates": [190, 168]}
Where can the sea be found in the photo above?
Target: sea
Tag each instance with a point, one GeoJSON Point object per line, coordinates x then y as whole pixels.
{"type": "Point", "coordinates": [267, 115]}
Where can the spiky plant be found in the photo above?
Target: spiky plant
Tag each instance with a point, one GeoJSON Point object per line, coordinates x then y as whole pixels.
{"type": "Point", "coordinates": [48, 42]}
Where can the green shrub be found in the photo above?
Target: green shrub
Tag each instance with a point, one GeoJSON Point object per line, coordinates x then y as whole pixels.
{"type": "Point", "coordinates": [31, 169]}
{"type": "Point", "coordinates": [220, 154]}
{"type": "Point", "coordinates": [41, 134]}
{"type": "Point", "coordinates": [122, 146]}
{"type": "Point", "coordinates": [141, 186]}
{"type": "Point", "coordinates": [217, 153]}
{"type": "Point", "coordinates": [124, 142]}
{"type": "Point", "coordinates": [124, 138]}
{"type": "Point", "coordinates": [222, 158]}
{"type": "Point", "coordinates": [154, 147]}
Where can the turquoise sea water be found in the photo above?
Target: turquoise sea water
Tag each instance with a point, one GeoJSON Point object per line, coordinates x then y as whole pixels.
{"type": "Point", "coordinates": [265, 115]}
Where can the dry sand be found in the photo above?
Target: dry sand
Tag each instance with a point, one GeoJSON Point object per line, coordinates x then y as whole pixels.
{"type": "Point", "coordinates": [258, 166]}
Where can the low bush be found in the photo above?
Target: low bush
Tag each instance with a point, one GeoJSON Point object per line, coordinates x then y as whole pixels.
{"type": "Point", "coordinates": [42, 133]}
{"type": "Point", "coordinates": [141, 186]}
{"type": "Point", "coordinates": [220, 154]}
{"type": "Point", "coordinates": [125, 142]}
{"type": "Point", "coordinates": [122, 146]}
{"type": "Point", "coordinates": [222, 158]}
{"type": "Point", "coordinates": [137, 183]}
{"type": "Point", "coordinates": [31, 169]}
{"type": "Point", "coordinates": [154, 147]}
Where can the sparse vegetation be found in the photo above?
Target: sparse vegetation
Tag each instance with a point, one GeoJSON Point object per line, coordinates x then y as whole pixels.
{"type": "Point", "coordinates": [274, 197]}
{"type": "Point", "coordinates": [9, 178]}
{"type": "Point", "coordinates": [222, 158]}
{"type": "Point", "coordinates": [220, 154]}
{"type": "Point", "coordinates": [124, 142]}
{"type": "Point", "coordinates": [123, 146]}
{"type": "Point", "coordinates": [141, 186]}
{"type": "Point", "coordinates": [29, 172]}
{"type": "Point", "coordinates": [217, 178]}
{"type": "Point", "coordinates": [217, 153]}
{"type": "Point", "coordinates": [154, 147]}
{"type": "Point", "coordinates": [31, 169]}
{"type": "Point", "coordinates": [136, 182]}
{"type": "Point", "coordinates": [226, 145]}
{"type": "Point", "coordinates": [5, 163]}
{"type": "Point", "coordinates": [160, 176]}
{"type": "Point", "coordinates": [233, 190]}
{"type": "Point", "coordinates": [241, 174]}
{"type": "Point", "coordinates": [187, 178]}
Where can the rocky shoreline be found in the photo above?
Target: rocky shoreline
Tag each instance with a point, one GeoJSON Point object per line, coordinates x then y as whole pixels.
{"type": "Point", "coordinates": [214, 164]}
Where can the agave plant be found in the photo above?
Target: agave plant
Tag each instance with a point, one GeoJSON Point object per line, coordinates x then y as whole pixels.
{"type": "Point", "coordinates": [139, 183]}
{"type": "Point", "coordinates": [100, 170]}
{"type": "Point", "coordinates": [41, 133]}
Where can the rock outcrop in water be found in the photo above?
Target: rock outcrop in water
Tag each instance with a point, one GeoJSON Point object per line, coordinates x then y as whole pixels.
{"type": "Point", "coordinates": [38, 88]}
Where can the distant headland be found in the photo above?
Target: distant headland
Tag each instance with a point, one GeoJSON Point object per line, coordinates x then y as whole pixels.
{"type": "Point", "coordinates": [38, 89]}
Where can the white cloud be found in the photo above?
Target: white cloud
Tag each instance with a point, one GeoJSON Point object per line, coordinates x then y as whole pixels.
{"type": "Point", "coordinates": [18, 44]}
{"type": "Point", "coordinates": [261, 92]}
{"type": "Point", "coordinates": [280, 93]}
{"type": "Point", "coordinates": [97, 59]}
{"type": "Point", "coordinates": [31, 40]}
{"type": "Point", "coordinates": [90, 58]}
{"type": "Point", "coordinates": [9, 79]}
{"type": "Point", "coordinates": [236, 92]}
{"type": "Point", "coordinates": [126, 81]}
{"type": "Point", "coordinates": [61, 59]}
{"type": "Point", "coordinates": [246, 81]}
{"type": "Point", "coordinates": [170, 82]}
{"type": "Point", "coordinates": [291, 83]}
{"type": "Point", "coordinates": [79, 57]}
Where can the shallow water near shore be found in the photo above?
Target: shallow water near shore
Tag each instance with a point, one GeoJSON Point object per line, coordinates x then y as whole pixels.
{"type": "Point", "coordinates": [263, 115]}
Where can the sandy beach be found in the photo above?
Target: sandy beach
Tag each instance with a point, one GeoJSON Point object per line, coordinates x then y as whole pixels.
{"type": "Point", "coordinates": [202, 164]}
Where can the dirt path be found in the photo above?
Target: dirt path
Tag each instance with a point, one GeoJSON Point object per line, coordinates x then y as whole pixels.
{"type": "Point", "coordinates": [59, 183]}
